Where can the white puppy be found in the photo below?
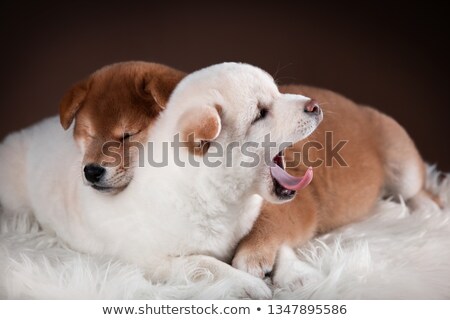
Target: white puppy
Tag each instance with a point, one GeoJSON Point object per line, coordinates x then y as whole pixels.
{"type": "Point", "coordinates": [193, 210]}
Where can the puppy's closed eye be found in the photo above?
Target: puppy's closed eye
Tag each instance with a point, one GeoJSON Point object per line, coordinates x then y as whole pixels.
{"type": "Point", "coordinates": [128, 135]}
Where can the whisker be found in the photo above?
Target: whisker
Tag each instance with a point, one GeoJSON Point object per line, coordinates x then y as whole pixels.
{"type": "Point", "coordinates": [285, 78]}
{"type": "Point", "coordinates": [280, 68]}
{"type": "Point", "coordinates": [275, 76]}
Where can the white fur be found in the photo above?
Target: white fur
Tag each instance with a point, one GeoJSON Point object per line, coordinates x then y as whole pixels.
{"type": "Point", "coordinates": [393, 254]}
{"type": "Point", "coordinates": [170, 218]}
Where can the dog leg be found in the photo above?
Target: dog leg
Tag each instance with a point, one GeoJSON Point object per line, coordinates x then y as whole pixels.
{"type": "Point", "coordinates": [404, 167]}
{"type": "Point", "coordinates": [256, 252]}
{"type": "Point", "coordinates": [230, 282]}
{"type": "Point", "coordinates": [276, 225]}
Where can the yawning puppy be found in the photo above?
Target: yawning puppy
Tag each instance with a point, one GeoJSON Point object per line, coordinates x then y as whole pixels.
{"type": "Point", "coordinates": [373, 157]}
{"type": "Point", "coordinates": [116, 105]}
{"type": "Point", "coordinates": [200, 189]}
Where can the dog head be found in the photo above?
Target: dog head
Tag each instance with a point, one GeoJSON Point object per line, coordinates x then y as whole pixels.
{"type": "Point", "coordinates": [113, 110]}
{"type": "Point", "coordinates": [239, 105]}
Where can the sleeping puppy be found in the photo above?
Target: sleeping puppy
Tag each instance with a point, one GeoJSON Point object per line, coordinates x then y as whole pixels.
{"type": "Point", "coordinates": [181, 220]}
{"type": "Point", "coordinates": [116, 105]}
{"type": "Point", "coordinates": [376, 158]}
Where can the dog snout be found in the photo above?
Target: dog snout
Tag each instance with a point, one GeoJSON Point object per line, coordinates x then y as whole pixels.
{"type": "Point", "coordinates": [93, 172]}
{"type": "Point", "coordinates": [312, 107]}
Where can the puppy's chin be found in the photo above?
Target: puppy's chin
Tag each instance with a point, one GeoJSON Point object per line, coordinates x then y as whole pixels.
{"type": "Point", "coordinates": [275, 199]}
{"type": "Point", "coordinates": [106, 188]}
{"type": "Point", "coordinates": [109, 190]}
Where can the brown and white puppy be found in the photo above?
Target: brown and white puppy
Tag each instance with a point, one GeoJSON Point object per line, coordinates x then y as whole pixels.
{"type": "Point", "coordinates": [379, 159]}
{"type": "Point", "coordinates": [116, 105]}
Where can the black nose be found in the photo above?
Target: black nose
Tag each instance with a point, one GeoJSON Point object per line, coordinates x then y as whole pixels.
{"type": "Point", "coordinates": [312, 107]}
{"type": "Point", "coordinates": [93, 172]}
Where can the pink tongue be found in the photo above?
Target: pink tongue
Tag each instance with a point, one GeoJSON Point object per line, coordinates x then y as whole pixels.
{"type": "Point", "coordinates": [291, 182]}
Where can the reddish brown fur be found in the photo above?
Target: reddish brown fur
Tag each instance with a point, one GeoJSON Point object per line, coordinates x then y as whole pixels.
{"type": "Point", "coordinates": [337, 195]}
{"type": "Point", "coordinates": [117, 99]}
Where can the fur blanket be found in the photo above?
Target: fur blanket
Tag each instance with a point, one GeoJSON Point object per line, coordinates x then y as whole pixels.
{"type": "Point", "coordinates": [394, 254]}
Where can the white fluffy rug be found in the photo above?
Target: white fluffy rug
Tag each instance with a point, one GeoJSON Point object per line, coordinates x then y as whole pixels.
{"type": "Point", "coordinates": [394, 254]}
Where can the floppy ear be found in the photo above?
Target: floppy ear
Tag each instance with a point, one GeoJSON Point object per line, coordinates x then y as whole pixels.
{"type": "Point", "coordinates": [199, 126]}
{"type": "Point", "coordinates": [71, 103]}
{"type": "Point", "coordinates": [159, 87]}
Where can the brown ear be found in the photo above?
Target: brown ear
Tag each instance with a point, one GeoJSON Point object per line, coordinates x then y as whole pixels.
{"type": "Point", "coordinates": [160, 86]}
{"type": "Point", "coordinates": [199, 126]}
{"type": "Point", "coordinates": [71, 103]}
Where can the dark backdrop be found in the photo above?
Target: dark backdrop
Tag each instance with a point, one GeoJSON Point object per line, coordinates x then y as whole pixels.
{"type": "Point", "coordinates": [393, 57]}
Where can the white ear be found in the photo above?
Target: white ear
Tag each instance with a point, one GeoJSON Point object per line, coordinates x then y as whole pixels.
{"type": "Point", "coordinates": [199, 126]}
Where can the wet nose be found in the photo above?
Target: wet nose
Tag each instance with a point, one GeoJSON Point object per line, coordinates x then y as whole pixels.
{"type": "Point", "coordinates": [312, 107]}
{"type": "Point", "coordinates": [93, 172]}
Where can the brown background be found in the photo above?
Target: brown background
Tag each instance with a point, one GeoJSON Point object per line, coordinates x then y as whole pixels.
{"type": "Point", "coordinates": [392, 57]}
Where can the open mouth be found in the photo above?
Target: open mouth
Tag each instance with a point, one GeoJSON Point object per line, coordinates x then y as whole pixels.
{"type": "Point", "coordinates": [286, 185]}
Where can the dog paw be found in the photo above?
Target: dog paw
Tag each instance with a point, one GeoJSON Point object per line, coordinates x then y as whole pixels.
{"type": "Point", "coordinates": [256, 263]}
{"type": "Point", "coordinates": [294, 278]}
{"type": "Point", "coordinates": [250, 287]}
{"type": "Point", "coordinates": [291, 273]}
